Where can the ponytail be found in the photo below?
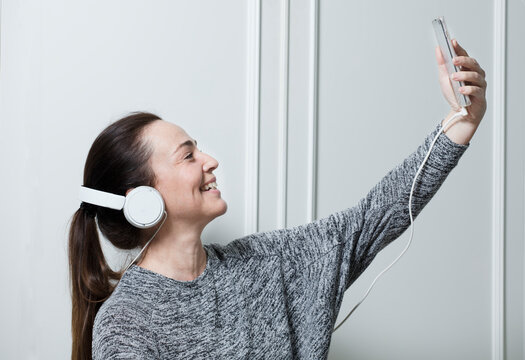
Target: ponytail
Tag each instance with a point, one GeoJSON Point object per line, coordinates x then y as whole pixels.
{"type": "Point", "coordinates": [90, 280]}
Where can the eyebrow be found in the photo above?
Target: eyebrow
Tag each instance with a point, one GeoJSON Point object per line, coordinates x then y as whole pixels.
{"type": "Point", "coordinates": [186, 143]}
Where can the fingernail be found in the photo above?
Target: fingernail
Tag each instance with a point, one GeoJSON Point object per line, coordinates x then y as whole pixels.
{"type": "Point", "coordinates": [453, 76]}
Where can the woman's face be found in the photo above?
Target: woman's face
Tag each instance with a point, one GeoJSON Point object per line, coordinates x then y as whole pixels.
{"type": "Point", "coordinates": [181, 171]}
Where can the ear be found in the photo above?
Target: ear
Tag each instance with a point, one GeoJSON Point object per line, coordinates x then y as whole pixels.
{"type": "Point", "coordinates": [127, 192]}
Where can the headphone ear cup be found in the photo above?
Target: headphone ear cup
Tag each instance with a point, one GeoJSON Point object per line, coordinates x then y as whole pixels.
{"type": "Point", "coordinates": [144, 207]}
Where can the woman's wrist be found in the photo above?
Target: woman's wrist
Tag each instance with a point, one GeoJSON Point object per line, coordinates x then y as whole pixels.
{"type": "Point", "coordinates": [460, 130]}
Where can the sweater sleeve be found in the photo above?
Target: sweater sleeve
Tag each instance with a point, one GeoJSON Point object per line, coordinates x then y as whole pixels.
{"type": "Point", "coordinates": [123, 333]}
{"type": "Point", "coordinates": [331, 253]}
{"type": "Point", "coordinates": [379, 217]}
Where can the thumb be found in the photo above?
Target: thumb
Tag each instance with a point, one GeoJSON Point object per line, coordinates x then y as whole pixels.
{"type": "Point", "coordinates": [439, 56]}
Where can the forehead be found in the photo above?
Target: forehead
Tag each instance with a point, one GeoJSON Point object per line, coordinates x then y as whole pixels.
{"type": "Point", "coordinates": [165, 136]}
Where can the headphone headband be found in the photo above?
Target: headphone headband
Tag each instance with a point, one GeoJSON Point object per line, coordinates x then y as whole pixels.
{"type": "Point", "coordinates": [101, 198]}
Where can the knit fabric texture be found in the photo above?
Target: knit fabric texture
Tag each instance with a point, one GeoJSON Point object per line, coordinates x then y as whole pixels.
{"type": "Point", "coordinates": [273, 294]}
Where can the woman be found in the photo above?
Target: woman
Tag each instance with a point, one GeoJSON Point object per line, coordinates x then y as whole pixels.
{"type": "Point", "coordinates": [273, 294]}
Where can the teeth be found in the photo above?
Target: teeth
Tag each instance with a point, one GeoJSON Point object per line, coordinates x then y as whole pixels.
{"type": "Point", "coordinates": [212, 185]}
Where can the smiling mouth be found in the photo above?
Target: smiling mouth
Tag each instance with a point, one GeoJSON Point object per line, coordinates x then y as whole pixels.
{"type": "Point", "coordinates": [210, 186]}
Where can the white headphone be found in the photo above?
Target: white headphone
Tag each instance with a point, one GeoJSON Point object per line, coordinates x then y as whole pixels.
{"type": "Point", "coordinates": [143, 206]}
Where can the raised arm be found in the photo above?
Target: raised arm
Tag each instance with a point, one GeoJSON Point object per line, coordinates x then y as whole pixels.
{"type": "Point", "coordinates": [378, 218]}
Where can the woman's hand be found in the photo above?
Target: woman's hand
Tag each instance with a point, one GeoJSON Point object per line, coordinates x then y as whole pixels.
{"type": "Point", "coordinates": [475, 87]}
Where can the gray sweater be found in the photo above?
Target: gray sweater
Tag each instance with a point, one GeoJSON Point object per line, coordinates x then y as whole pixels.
{"type": "Point", "coordinates": [273, 294]}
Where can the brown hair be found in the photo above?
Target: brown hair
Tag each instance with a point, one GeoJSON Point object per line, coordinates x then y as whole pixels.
{"type": "Point", "coordinates": [117, 161]}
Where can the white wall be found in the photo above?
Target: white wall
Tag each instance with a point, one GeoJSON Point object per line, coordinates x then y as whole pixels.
{"type": "Point", "coordinates": [69, 68]}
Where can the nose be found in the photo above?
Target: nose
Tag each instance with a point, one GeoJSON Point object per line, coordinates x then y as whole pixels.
{"type": "Point", "coordinates": [210, 163]}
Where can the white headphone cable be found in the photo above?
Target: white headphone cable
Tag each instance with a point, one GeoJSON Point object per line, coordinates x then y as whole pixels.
{"type": "Point", "coordinates": [462, 112]}
{"type": "Point", "coordinates": [165, 216]}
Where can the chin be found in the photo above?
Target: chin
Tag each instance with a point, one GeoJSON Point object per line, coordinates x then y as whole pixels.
{"type": "Point", "coordinates": [223, 209]}
{"type": "Point", "coordinates": [218, 211]}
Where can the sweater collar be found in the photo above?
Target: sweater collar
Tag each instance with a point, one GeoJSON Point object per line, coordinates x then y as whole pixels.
{"type": "Point", "coordinates": [142, 275]}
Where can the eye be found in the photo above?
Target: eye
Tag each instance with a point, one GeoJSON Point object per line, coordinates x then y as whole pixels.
{"type": "Point", "coordinates": [189, 156]}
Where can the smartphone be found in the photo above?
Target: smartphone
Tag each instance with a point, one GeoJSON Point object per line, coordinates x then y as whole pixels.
{"type": "Point", "coordinates": [443, 39]}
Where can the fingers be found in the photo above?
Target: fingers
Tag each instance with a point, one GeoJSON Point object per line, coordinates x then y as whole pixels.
{"type": "Point", "coordinates": [468, 63]}
{"type": "Point", "coordinates": [459, 50]}
{"type": "Point", "coordinates": [470, 77]}
{"type": "Point", "coordinates": [463, 59]}
{"type": "Point", "coordinates": [473, 91]}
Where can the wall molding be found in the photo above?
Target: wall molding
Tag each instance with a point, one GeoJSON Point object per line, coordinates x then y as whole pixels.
{"type": "Point", "coordinates": [1, 5]}
{"type": "Point", "coordinates": [498, 190]}
{"type": "Point", "coordinates": [284, 87]}
{"type": "Point", "coordinates": [311, 205]}
{"type": "Point", "coordinates": [253, 97]}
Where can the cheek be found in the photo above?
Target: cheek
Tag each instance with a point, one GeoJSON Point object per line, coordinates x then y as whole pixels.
{"type": "Point", "coordinates": [178, 184]}
{"type": "Point", "coordinates": [179, 188]}
{"type": "Point", "coordinates": [168, 183]}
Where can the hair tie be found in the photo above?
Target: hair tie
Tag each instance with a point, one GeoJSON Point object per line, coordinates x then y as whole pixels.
{"type": "Point", "coordinates": [89, 209]}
